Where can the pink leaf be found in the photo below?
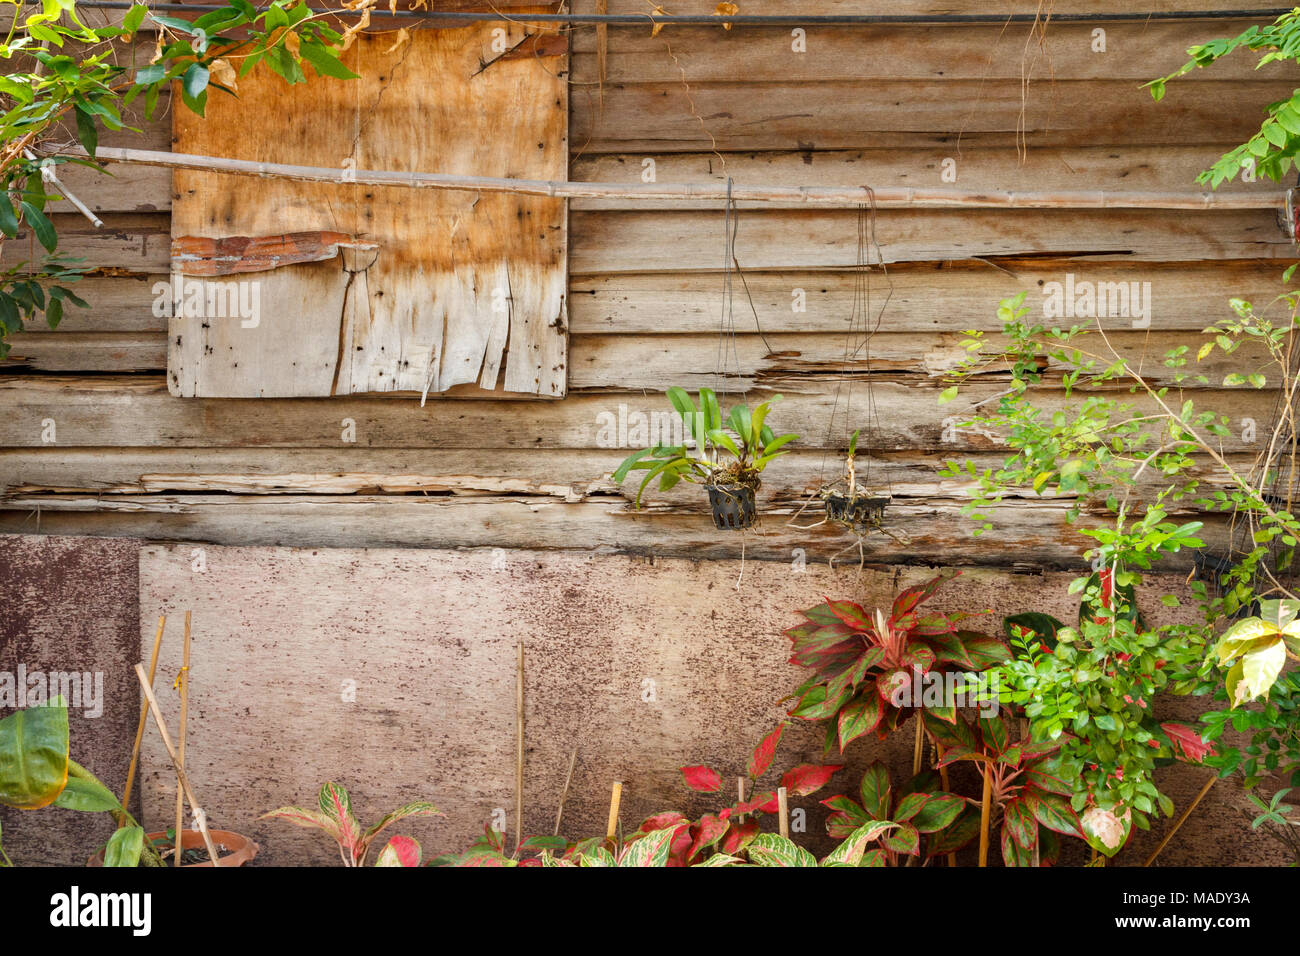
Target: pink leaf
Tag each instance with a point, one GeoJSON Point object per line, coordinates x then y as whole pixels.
{"type": "Point", "coordinates": [702, 779]}
{"type": "Point", "coordinates": [1188, 743]}
{"type": "Point", "coordinates": [808, 778]}
{"type": "Point", "coordinates": [764, 752]}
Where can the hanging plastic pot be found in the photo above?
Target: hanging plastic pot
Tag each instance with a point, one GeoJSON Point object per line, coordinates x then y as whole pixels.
{"type": "Point", "coordinates": [733, 506]}
{"type": "Point", "coordinates": [858, 511]}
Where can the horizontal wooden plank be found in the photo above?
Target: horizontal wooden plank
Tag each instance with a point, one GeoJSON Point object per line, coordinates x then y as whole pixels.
{"type": "Point", "coordinates": [930, 297]}
{"type": "Point", "coordinates": [605, 242]}
{"type": "Point", "coordinates": [86, 352]}
{"type": "Point", "coordinates": [653, 241]}
{"type": "Point", "coordinates": [979, 169]}
{"type": "Point", "coordinates": [1138, 51]}
{"type": "Point", "coordinates": [624, 363]}
{"type": "Point", "coordinates": [1028, 533]}
{"type": "Point", "coordinates": [131, 411]}
{"type": "Point", "coordinates": [564, 474]}
{"type": "Point", "coordinates": [937, 8]}
{"type": "Point", "coordinates": [132, 243]}
{"type": "Point", "coordinates": [672, 117]}
{"type": "Point", "coordinates": [789, 360]}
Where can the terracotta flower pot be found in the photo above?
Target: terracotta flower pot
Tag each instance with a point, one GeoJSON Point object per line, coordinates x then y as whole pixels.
{"type": "Point", "coordinates": [239, 849]}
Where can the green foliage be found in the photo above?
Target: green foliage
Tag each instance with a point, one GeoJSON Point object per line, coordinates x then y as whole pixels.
{"type": "Point", "coordinates": [59, 68]}
{"type": "Point", "coordinates": [860, 660]}
{"type": "Point", "coordinates": [1272, 150]}
{"type": "Point", "coordinates": [333, 815]}
{"type": "Point", "coordinates": [710, 453]}
{"type": "Point", "coordinates": [36, 771]}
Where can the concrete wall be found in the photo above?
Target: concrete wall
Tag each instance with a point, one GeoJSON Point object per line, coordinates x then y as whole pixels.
{"type": "Point", "coordinates": [429, 639]}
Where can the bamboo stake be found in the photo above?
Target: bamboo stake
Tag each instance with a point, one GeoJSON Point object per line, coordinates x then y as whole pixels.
{"type": "Point", "coordinates": [918, 748]}
{"type": "Point", "coordinates": [519, 748]}
{"type": "Point", "coordinates": [783, 812]}
{"type": "Point", "coordinates": [985, 806]}
{"type": "Point", "coordinates": [615, 798]}
{"type": "Point", "coordinates": [884, 197]}
{"type": "Point", "coordinates": [740, 797]}
{"type": "Point", "coordinates": [200, 816]}
{"type": "Point", "coordinates": [183, 682]}
{"type": "Point", "coordinates": [1182, 819]}
{"type": "Point", "coordinates": [943, 777]}
{"type": "Point", "coordinates": [568, 779]}
{"type": "Point", "coordinates": [144, 715]}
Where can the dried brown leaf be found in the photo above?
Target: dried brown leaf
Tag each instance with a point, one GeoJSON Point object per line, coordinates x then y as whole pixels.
{"type": "Point", "coordinates": [726, 10]}
{"type": "Point", "coordinates": [403, 37]}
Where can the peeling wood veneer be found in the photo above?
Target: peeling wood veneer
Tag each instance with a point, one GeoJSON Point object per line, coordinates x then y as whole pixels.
{"type": "Point", "coordinates": [466, 289]}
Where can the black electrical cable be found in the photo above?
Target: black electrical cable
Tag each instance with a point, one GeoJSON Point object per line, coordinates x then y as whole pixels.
{"type": "Point", "coordinates": [642, 19]}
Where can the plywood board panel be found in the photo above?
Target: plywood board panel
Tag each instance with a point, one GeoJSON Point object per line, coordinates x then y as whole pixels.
{"type": "Point", "coordinates": [463, 285]}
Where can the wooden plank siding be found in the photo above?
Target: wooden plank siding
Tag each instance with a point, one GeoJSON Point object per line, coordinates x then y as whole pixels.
{"type": "Point", "coordinates": [879, 105]}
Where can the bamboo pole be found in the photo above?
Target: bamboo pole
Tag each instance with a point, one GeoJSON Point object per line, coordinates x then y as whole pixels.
{"type": "Point", "coordinates": [918, 747]}
{"type": "Point", "coordinates": [568, 779]}
{"type": "Point", "coordinates": [986, 801]}
{"type": "Point", "coordinates": [183, 684]}
{"type": "Point", "coordinates": [884, 197]}
{"type": "Point", "coordinates": [783, 812]}
{"type": "Point", "coordinates": [200, 816]}
{"type": "Point", "coordinates": [740, 797]}
{"type": "Point", "coordinates": [519, 747]}
{"type": "Point", "coordinates": [144, 715]}
{"type": "Point", "coordinates": [615, 798]}
{"type": "Point", "coordinates": [943, 778]}
{"type": "Point", "coordinates": [1182, 819]}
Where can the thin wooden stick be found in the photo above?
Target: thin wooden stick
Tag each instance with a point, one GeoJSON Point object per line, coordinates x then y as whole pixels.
{"type": "Point", "coordinates": [139, 727]}
{"type": "Point", "coordinates": [183, 684]}
{"type": "Point", "coordinates": [519, 748]}
{"type": "Point", "coordinates": [943, 778]}
{"type": "Point", "coordinates": [918, 747]}
{"type": "Point", "coordinates": [783, 812]}
{"type": "Point", "coordinates": [200, 815]}
{"type": "Point", "coordinates": [884, 196]}
{"type": "Point", "coordinates": [740, 797]}
{"type": "Point", "coordinates": [615, 798]}
{"type": "Point", "coordinates": [1182, 819]}
{"type": "Point", "coordinates": [986, 802]}
{"type": "Point", "coordinates": [568, 779]}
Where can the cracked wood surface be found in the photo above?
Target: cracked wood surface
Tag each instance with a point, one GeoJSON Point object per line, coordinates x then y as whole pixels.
{"type": "Point", "coordinates": [464, 289]}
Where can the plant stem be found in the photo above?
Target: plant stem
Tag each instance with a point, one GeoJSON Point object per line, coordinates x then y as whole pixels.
{"type": "Point", "coordinates": [148, 855]}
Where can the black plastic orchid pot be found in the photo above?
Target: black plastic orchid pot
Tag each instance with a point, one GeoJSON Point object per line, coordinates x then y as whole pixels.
{"type": "Point", "coordinates": [855, 511]}
{"type": "Point", "coordinates": [733, 506]}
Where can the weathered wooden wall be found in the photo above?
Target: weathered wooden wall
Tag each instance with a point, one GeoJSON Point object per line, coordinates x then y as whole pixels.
{"type": "Point", "coordinates": [880, 105]}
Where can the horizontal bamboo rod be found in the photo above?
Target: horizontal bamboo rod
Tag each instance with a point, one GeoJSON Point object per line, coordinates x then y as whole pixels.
{"type": "Point", "coordinates": [886, 196]}
{"type": "Point", "coordinates": [812, 19]}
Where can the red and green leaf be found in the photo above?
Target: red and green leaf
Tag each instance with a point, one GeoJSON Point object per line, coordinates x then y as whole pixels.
{"type": "Point", "coordinates": [1018, 819]}
{"type": "Point", "coordinates": [702, 780]}
{"type": "Point", "coordinates": [861, 716]}
{"type": "Point", "coordinates": [763, 754]}
{"type": "Point", "coordinates": [808, 778]}
{"type": "Point", "coordinates": [875, 789]}
{"type": "Point", "coordinates": [940, 810]}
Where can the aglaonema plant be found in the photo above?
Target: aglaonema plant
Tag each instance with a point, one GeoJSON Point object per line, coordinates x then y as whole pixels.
{"type": "Point", "coordinates": [37, 771]}
{"type": "Point", "coordinates": [1029, 796]}
{"type": "Point", "coordinates": [860, 660]}
{"type": "Point", "coordinates": [333, 816]}
{"type": "Point", "coordinates": [921, 812]}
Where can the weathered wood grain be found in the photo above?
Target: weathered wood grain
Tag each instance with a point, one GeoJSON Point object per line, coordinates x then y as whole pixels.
{"type": "Point", "coordinates": [991, 169]}
{"type": "Point", "coordinates": [464, 289]}
{"type": "Point", "coordinates": [669, 117]}
{"type": "Point", "coordinates": [944, 296]}
{"type": "Point", "coordinates": [130, 411]}
{"type": "Point", "coordinates": [1138, 51]}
